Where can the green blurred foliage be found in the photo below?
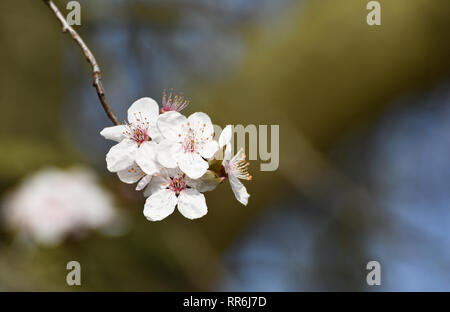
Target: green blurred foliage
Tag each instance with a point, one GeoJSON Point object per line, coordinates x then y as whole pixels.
{"type": "Point", "coordinates": [325, 74]}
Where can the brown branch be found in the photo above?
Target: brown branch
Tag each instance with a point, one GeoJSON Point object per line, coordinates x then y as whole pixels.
{"type": "Point", "coordinates": [96, 73]}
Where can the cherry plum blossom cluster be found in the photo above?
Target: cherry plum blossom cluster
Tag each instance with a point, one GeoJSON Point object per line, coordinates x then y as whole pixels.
{"type": "Point", "coordinates": [174, 159]}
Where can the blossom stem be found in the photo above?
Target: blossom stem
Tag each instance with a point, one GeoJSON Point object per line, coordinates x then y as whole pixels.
{"type": "Point", "coordinates": [96, 73]}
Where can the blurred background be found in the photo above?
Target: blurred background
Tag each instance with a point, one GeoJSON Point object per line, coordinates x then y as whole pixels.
{"type": "Point", "coordinates": [364, 115]}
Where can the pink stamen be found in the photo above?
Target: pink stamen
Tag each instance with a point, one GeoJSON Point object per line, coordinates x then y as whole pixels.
{"type": "Point", "coordinates": [238, 166]}
{"type": "Point", "coordinates": [140, 136]}
{"type": "Point", "coordinates": [177, 184]}
{"type": "Point", "coordinates": [194, 139]}
{"type": "Point", "coordinates": [189, 143]}
{"type": "Point", "coordinates": [173, 102]}
{"type": "Point", "coordinates": [138, 131]}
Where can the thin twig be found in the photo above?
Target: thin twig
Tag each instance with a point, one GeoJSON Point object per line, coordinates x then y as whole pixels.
{"type": "Point", "coordinates": [96, 73]}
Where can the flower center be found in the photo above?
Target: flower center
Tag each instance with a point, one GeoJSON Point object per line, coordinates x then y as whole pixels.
{"type": "Point", "coordinates": [190, 142]}
{"type": "Point", "coordinates": [177, 184]}
{"type": "Point", "coordinates": [238, 167]}
{"type": "Point", "coordinates": [138, 130]}
{"type": "Point", "coordinates": [193, 139]}
{"type": "Point", "coordinates": [140, 135]}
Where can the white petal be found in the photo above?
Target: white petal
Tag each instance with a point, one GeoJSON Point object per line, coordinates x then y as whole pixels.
{"type": "Point", "coordinates": [143, 108]}
{"type": "Point", "coordinates": [202, 125]}
{"type": "Point", "coordinates": [209, 149]}
{"type": "Point", "coordinates": [121, 155]}
{"type": "Point", "coordinates": [170, 125]}
{"type": "Point", "coordinates": [192, 204]}
{"type": "Point", "coordinates": [160, 205]}
{"type": "Point", "coordinates": [228, 154]}
{"type": "Point", "coordinates": [143, 183]}
{"type": "Point", "coordinates": [225, 136]}
{"type": "Point", "coordinates": [239, 190]}
{"type": "Point", "coordinates": [154, 133]}
{"type": "Point", "coordinates": [146, 158]}
{"type": "Point", "coordinates": [166, 152]}
{"type": "Point", "coordinates": [192, 164]}
{"type": "Point", "coordinates": [115, 133]}
{"type": "Point", "coordinates": [170, 172]}
{"type": "Point", "coordinates": [206, 183]}
{"type": "Point", "coordinates": [131, 174]}
{"type": "Point", "coordinates": [157, 183]}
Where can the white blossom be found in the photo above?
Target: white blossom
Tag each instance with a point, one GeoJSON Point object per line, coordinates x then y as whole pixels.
{"type": "Point", "coordinates": [170, 189]}
{"type": "Point", "coordinates": [54, 204]}
{"type": "Point", "coordinates": [136, 140]}
{"type": "Point", "coordinates": [235, 167]}
{"type": "Point", "coordinates": [186, 142]}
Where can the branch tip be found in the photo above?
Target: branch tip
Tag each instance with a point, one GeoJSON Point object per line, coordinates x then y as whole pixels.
{"type": "Point", "coordinates": [96, 73]}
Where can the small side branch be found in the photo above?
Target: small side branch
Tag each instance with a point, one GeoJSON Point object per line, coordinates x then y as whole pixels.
{"type": "Point", "coordinates": [96, 73]}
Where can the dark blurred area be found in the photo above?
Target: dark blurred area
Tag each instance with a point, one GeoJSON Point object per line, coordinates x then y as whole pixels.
{"type": "Point", "coordinates": [364, 115]}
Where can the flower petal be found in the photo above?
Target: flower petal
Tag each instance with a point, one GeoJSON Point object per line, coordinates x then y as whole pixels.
{"type": "Point", "coordinates": [166, 152]}
{"type": "Point", "coordinates": [225, 136]}
{"type": "Point", "coordinates": [146, 158]}
{"type": "Point", "coordinates": [202, 125]}
{"type": "Point", "coordinates": [206, 183]}
{"type": "Point", "coordinates": [228, 154]}
{"type": "Point", "coordinates": [115, 133]}
{"type": "Point", "coordinates": [157, 183]}
{"type": "Point", "coordinates": [170, 125]}
{"type": "Point", "coordinates": [192, 164]}
{"type": "Point", "coordinates": [239, 190]}
{"type": "Point", "coordinates": [160, 205]}
{"type": "Point", "coordinates": [131, 174]}
{"type": "Point", "coordinates": [121, 155]}
{"type": "Point", "coordinates": [143, 183]}
{"type": "Point", "coordinates": [170, 172]}
{"type": "Point", "coordinates": [143, 108]}
{"type": "Point", "coordinates": [209, 149]}
{"type": "Point", "coordinates": [154, 133]}
{"type": "Point", "coordinates": [192, 204]}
